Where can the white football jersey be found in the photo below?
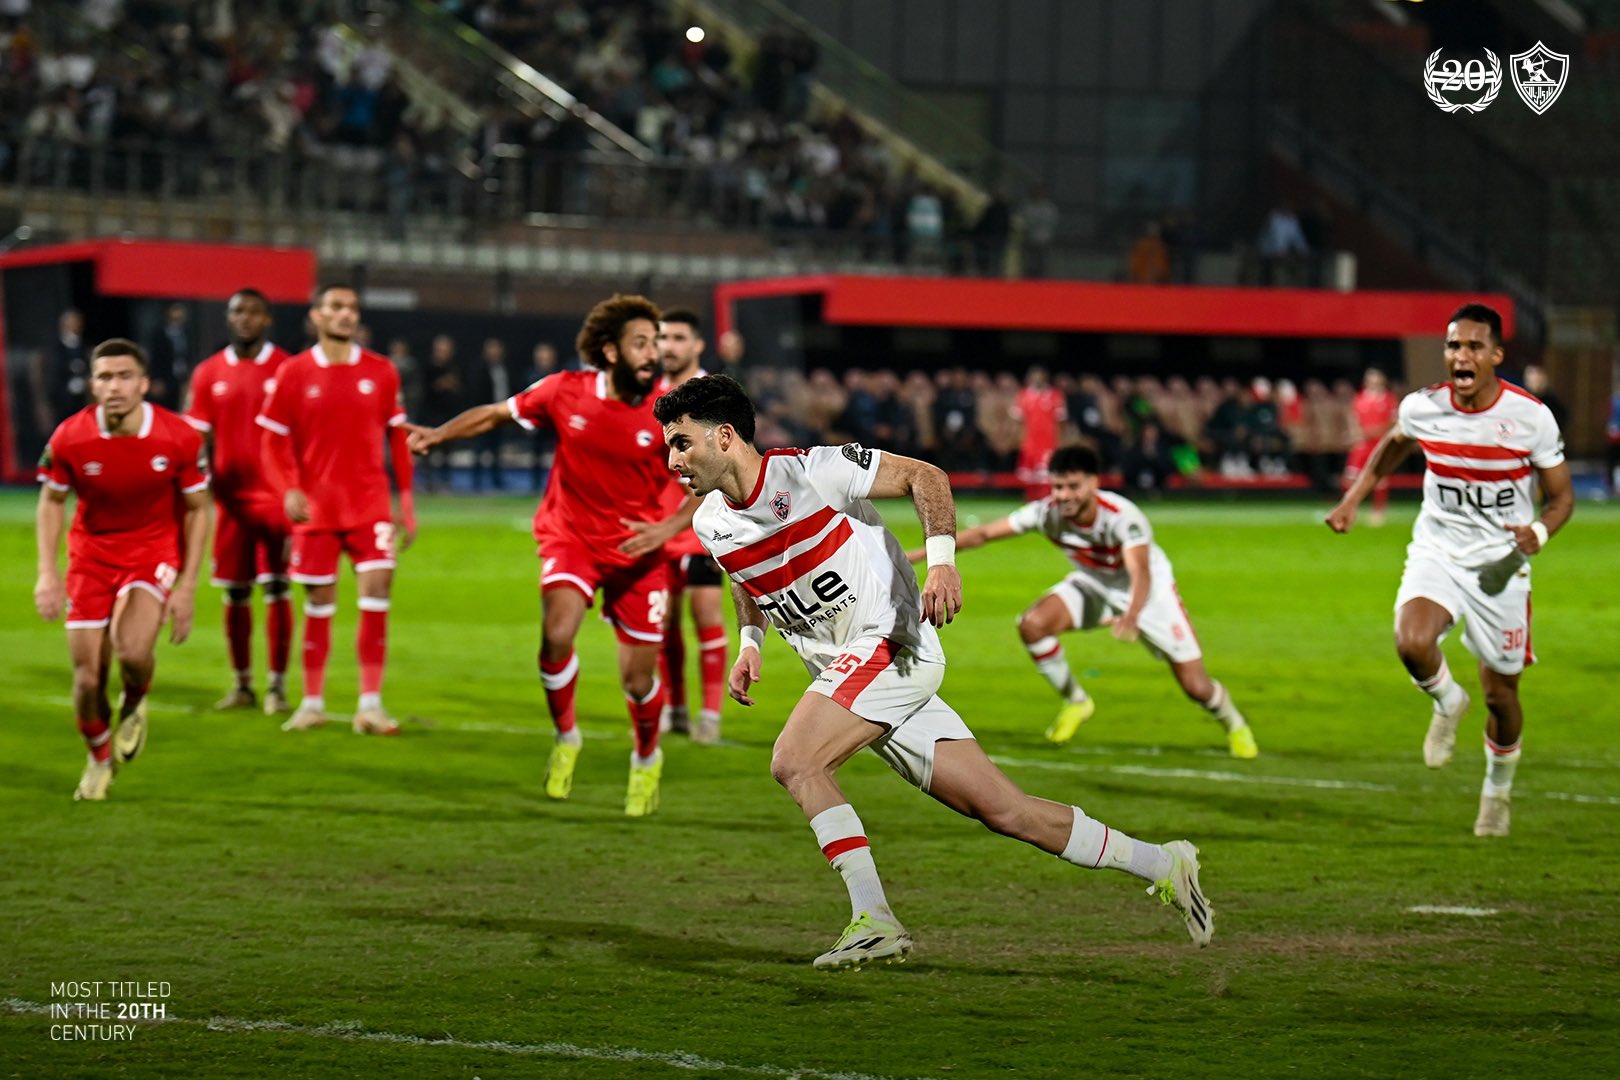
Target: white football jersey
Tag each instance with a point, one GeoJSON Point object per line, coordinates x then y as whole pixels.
{"type": "Point", "coordinates": [1481, 469]}
{"type": "Point", "coordinates": [1097, 550]}
{"type": "Point", "coordinates": [815, 556]}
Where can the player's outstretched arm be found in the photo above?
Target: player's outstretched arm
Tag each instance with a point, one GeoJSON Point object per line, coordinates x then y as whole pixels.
{"type": "Point", "coordinates": [751, 626]}
{"type": "Point", "coordinates": [183, 600]}
{"type": "Point", "coordinates": [1557, 504]}
{"type": "Point", "coordinates": [972, 537]}
{"type": "Point", "coordinates": [50, 596]}
{"type": "Point", "coordinates": [467, 425]}
{"type": "Point", "coordinates": [930, 492]}
{"type": "Point", "coordinates": [1390, 452]}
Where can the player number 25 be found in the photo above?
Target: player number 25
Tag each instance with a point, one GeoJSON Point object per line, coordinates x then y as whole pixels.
{"type": "Point", "coordinates": [657, 605]}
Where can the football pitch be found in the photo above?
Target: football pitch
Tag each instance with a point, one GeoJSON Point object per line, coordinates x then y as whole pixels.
{"type": "Point", "coordinates": [323, 905]}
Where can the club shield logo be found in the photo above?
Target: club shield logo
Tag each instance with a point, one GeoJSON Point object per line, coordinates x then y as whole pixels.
{"type": "Point", "coordinates": [1539, 75]}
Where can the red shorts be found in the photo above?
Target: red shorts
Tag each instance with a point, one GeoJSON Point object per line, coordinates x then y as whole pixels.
{"type": "Point", "coordinates": [635, 598]}
{"type": "Point", "coordinates": [93, 588]}
{"type": "Point", "coordinates": [1360, 454]}
{"type": "Point", "coordinates": [315, 555]}
{"type": "Point", "coordinates": [250, 544]}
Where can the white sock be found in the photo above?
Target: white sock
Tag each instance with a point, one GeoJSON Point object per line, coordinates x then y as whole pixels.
{"type": "Point", "coordinates": [1095, 846]}
{"type": "Point", "coordinates": [244, 679]}
{"type": "Point", "coordinates": [1441, 687]}
{"type": "Point", "coordinates": [571, 737]}
{"type": "Point", "coordinates": [1221, 707]}
{"type": "Point", "coordinates": [1047, 654]}
{"type": "Point", "coordinates": [842, 838]}
{"type": "Point", "coordinates": [371, 703]}
{"type": "Point", "coordinates": [313, 704]}
{"type": "Point", "coordinates": [641, 762]}
{"type": "Point", "coordinates": [1500, 763]}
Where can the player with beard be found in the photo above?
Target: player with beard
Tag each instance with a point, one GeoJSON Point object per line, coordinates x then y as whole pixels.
{"type": "Point", "coordinates": [134, 548]}
{"type": "Point", "coordinates": [609, 473]}
{"type": "Point", "coordinates": [1486, 442]}
{"type": "Point", "coordinates": [692, 572]}
{"type": "Point", "coordinates": [252, 537]}
{"type": "Point", "coordinates": [335, 410]}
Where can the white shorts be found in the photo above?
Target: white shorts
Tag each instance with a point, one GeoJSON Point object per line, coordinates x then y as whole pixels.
{"type": "Point", "coordinates": [888, 684]}
{"type": "Point", "coordinates": [1166, 630]}
{"type": "Point", "coordinates": [1493, 603]}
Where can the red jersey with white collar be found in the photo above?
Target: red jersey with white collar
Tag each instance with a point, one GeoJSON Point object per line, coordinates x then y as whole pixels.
{"type": "Point", "coordinates": [338, 416]}
{"type": "Point", "coordinates": [1375, 412]}
{"type": "Point", "coordinates": [1481, 469]}
{"type": "Point", "coordinates": [1098, 549]}
{"type": "Point", "coordinates": [130, 488]}
{"type": "Point", "coordinates": [685, 542]}
{"type": "Point", "coordinates": [1043, 412]}
{"type": "Point", "coordinates": [611, 462]}
{"type": "Point", "coordinates": [227, 394]}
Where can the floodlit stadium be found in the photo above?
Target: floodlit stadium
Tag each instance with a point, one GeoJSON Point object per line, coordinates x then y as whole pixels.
{"type": "Point", "coordinates": [418, 663]}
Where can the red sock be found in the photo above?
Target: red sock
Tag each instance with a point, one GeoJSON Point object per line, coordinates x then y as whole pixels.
{"type": "Point", "coordinates": [672, 665]}
{"type": "Point", "coordinates": [97, 737]}
{"type": "Point", "coordinates": [239, 634]}
{"type": "Point", "coordinates": [712, 662]}
{"type": "Point", "coordinates": [317, 644]}
{"type": "Point", "coordinates": [559, 680]}
{"type": "Point", "coordinates": [278, 628]}
{"type": "Point", "coordinates": [644, 719]}
{"type": "Point", "coordinates": [371, 643]}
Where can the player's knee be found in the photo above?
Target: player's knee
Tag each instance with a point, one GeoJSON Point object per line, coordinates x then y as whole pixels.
{"type": "Point", "coordinates": [239, 596]}
{"type": "Point", "coordinates": [637, 684]}
{"type": "Point", "coordinates": [86, 680]}
{"type": "Point", "coordinates": [1411, 646]}
{"type": "Point", "coordinates": [129, 655]}
{"type": "Point", "coordinates": [1031, 628]}
{"type": "Point", "coordinates": [790, 769]}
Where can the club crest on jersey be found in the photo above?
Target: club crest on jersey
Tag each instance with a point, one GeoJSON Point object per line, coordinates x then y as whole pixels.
{"type": "Point", "coordinates": [312, 391]}
{"type": "Point", "coordinates": [644, 438]}
{"type": "Point", "coordinates": [159, 463]}
{"type": "Point", "coordinates": [221, 388]}
{"type": "Point", "coordinates": [781, 505]}
{"type": "Point", "coordinates": [367, 386]}
{"type": "Point", "coordinates": [1505, 429]}
{"type": "Point", "coordinates": [92, 468]}
{"type": "Point", "coordinates": [577, 422]}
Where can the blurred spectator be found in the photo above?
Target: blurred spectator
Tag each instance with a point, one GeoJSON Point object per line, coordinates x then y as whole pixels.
{"type": "Point", "coordinates": [990, 235]}
{"type": "Point", "coordinates": [1535, 381]}
{"type": "Point", "coordinates": [170, 356]}
{"type": "Point", "coordinates": [1085, 406]}
{"type": "Point", "coordinates": [543, 361]}
{"type": "Point", "coordinates": [956, 423]}
{"type": "Point", "coordinates": [1268, 446]}
{"type": "Point", "coordinates": [443, 397]}
{"type": "Point", "coordinates": [1148, 464]}
{"type": "Point", "coordinates": [1039, 219]}
{"type": "Point", "coordinates": [1149, 261]}
{"type": "Point", "coordinates": [858, 422]}
{"type": "Point", "coordinates": [491, 381]}
{"type": "Point", "coordinates": [1612, 432]}
{"type": "Point", "coordinates": [1003, 434]}
{"type": "Point", "coordinates": [1227, 431]}
{"type": "Point", "coordinates": [1282, 247]}
{"type": "Point", "coordinates": [410, 375]}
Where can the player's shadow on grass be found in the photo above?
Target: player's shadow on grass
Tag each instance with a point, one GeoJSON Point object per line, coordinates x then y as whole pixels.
{"type": "Point", "coordinates": [1273, 806]}
{"type": "Point", "coordinates": [694, 955]}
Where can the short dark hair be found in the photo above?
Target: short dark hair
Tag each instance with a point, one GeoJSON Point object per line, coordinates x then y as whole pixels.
{"type": "Point", "coordinates": [252, 294]}
{"type": "Point", "coordinates": [605, 325]}
{"type": "Point", "coordinates": [120, 347]}
{"type": "Point", "coordinates": [1074, 459]}
{"type": "Point", "coordinates": [1480, 313]}
{"type": "Point", "coordinates": [322, 290]}
{"type": "Point", "coordinates": [709, 399]}
{"type": "Point", "coordinates": [687, 316]}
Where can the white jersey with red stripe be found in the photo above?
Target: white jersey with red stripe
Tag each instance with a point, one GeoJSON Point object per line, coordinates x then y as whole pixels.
{"type": "Point", "coordinates": [1481, 469]}
{"type": "Point", "coordinates": [815, 556]}
{"type": "Point", "coordinates": [1098, 549]}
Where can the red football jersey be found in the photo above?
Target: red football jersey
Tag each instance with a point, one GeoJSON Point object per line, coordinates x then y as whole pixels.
{"type": "Point", "coordinates": [1374, 412]}
{"type": "Point", "coordinates": [611, 462]}
{"type": "Point", "coordinates": [1041, 411]}
{"type": "Point", "coordinates": [130, 487]}
{"type": "Point", "coordinates": [227, 394]}
{"type": "Point", "coordinates": [338, 416]}
{"type": "Point", "coordinates": [686, 541]}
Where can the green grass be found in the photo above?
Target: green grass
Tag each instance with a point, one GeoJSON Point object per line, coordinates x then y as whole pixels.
{"type": "Point", "coordinates": [415, 907]}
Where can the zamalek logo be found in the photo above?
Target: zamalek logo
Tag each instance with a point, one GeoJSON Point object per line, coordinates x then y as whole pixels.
{"type": "Point", "coordinates": [1539, 75]}
{"type": "Point", "coordinates": [159, 463]}
{"type": "Point", "coordinates": [1505, 429]}
{"type": "Point", "coordinates": [781, 505]}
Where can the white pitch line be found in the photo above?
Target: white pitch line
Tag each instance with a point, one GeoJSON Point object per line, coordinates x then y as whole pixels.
{"type": "Point", "coordinates": [353, 1031]}
{"type": "Point", "coordinates": [1441, 909]}
{"type": "Point", "coordinates": [1222, 777]}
